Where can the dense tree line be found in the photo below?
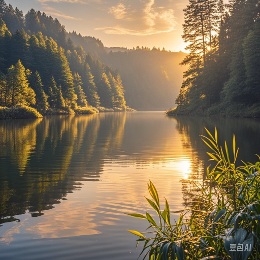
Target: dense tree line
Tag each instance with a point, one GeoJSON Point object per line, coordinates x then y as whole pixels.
{"type": "Point", "coordinates": [151, 77]}
{"type": "Point", "coordinates": [40, 67]}
{"type": "Point", "coordinates": [224, 49]}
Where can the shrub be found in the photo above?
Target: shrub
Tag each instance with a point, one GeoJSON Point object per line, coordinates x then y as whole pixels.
{"type": "Point", "coordinates": [224, 213]}
{"type": "Point", "coordinates": [18, 112]}
{"type": "Point", "coordinates": [86, 110]}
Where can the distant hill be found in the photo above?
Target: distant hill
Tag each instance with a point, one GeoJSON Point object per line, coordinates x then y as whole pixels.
{"type": "Point", "coordinates": [151, 78]}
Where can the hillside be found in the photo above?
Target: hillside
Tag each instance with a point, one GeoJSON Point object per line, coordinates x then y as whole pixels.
{"type": "Point", "coordinates": [151, 77]}
{"type": "Point", "coordinates": [50, 71]}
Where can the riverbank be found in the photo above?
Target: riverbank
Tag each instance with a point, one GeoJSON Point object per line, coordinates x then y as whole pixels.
{"type": "Point", "coordinates": [19, 112]}
{"type": "Point", "coordinates": [23, 112]}
{"type": "Point", "coordinates": [234, 110]}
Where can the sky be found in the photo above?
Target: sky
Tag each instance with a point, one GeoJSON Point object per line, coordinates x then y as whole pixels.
{"type": "Point", "coordinates": [118, 23]}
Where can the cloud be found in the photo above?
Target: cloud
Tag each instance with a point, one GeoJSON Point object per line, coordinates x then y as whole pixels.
{"type": "Point", "coordinates": [52, 11]}
{"type": "Point", "coordinates": [121, 30]}
{"type": "Point", "coordinates": [119, 11]}
{"type": "Point", "coordinates": [151, 20]}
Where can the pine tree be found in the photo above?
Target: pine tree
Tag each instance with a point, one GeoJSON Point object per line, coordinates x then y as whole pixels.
{"type": "Point", "coordinates": [19, 91]}
{"type": "Point", "coordinates": [19, 49]}
{"type": "Point", "coordinates": [32, 21]}
{"type": "Point", "coordinates": [251, 51]}
{"type": "Point", "coordinates": [105, 92]}
{"type": "Point", "coordinates": [81, 100]}
{"type": "Point", "coordinates": [60, 100]}
{"type": "Point", "coordinates": [233, 90]}
{"type": "Point", "coordinates": [201, 21]}
{"type": "Point", "coordinates": [3, 90]}
{"type": "Point", "coordinates": [41, 98]}
{"type": "Point", "coordinates": [117, 90]}
{"type": "Point", "coordinates": [5, 37]}
{"type": "Point", "coordinates": [89, 87]}
{"type": "Point", "coordinates": [56, 99]}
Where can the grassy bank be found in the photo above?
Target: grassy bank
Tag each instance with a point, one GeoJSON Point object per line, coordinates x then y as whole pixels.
{"type": "Point", "coordinates": [86, 110]}
{"type": "Point", "coordinates": [232, 110]}
{"type": "Point", "coordinates": [19, 112]}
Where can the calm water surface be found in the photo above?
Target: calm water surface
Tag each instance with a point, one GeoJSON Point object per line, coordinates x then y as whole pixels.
{"type": "Point", "coordinates": [66, 182]}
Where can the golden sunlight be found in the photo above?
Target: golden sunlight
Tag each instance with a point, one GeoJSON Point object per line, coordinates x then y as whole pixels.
{"type": "Point", "coordinates": [184, 167]}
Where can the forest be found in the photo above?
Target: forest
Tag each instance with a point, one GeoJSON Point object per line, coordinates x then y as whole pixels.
{"type": "Point", "coordinates": [151, 77]}
{"type": "Point", "coordinates": [42, 66]}
{"type": "Point", "coordinates": [223, 75]}
{"type": "Point", "coordinates": [43, 69]}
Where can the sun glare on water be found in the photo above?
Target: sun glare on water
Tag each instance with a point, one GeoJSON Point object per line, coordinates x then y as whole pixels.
{"type": "Point", "coordinates": [183, 166]}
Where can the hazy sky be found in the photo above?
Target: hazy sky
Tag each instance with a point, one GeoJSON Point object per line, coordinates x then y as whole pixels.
{"type": "Point", "coordinates": [118, 23]}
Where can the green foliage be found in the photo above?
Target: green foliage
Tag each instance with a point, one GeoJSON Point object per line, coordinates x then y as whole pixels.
{"type": "Point", "coordinates": [226, 73]}
{"type": "Point", "coordinates": [251, 49]}
{"type": "Point", "coordinates": [86, 110]}
{"type": "Point", "coordinates": [40, 43]}
{"type": "Point", "coordinates": [56, 99]}
{"type": "Point", "coordinates": [19, 112]}
{"type": "Point", "coordinates": [18, 90]}
{"type": "Point", "coordinates": [105, 92]}
{"type": "Point", "coordinates": [225, 210]}
{"type": "Point", "coordinates": [41, 98]}
{"type": "Point", "coordinates": [81, 97]}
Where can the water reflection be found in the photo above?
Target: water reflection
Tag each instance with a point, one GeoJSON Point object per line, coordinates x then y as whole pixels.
{"type": "Point", "coordinates": [36, 156]}
{"type": "Point", "coordinates": [245, 130]}
{"type": "Point", "coordinates": [190, 128]}
{"type": "Point", "coordinates": [77, 176]}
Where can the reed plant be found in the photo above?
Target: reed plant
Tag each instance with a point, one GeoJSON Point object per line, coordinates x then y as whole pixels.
{"type": "Point", "coordinates": [222, 221]}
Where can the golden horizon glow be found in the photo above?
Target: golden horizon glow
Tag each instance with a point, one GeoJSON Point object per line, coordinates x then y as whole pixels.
{"type": "Point", "coordinates": [128, 23]}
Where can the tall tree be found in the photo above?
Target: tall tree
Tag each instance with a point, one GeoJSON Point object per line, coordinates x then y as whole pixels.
{"type": "Point", "coordinates": [105, 92]}
{"type": "Point", "coordinates": [5, 37]}
{"type": "Point", "coordinates": [89, 87]}
{"type": "Point", "coordinates": [251, 51]}
{"type": "Point", "coordinates": [56, 99]}
{"type": "Point", "coordinates": [81, 97]}
{"type": "Point", "coordinates": [41, 98]}
{"type": "Point", "coordinates": [32, 21]}
{"type": "Point", "coordinates": [201, 21]}
{"type": "Point", "coordinates": [117, 91]}
{"type": "Point", "coordinates": [19, 91]}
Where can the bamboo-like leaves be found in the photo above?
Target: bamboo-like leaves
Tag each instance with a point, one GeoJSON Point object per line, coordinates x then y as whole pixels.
{"type": "Point", "coordinates": [136, 215]}
{"type": "Point", "coordinates": [153, 192]}
{"type": "Point", "coordinates": [201, 232]}
{"type": "Point", "coordinates": [137, 233]}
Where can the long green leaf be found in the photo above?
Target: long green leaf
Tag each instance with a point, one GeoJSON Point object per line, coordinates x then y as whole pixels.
{"type": "Point", "coordinates": [220, 214]}
{"type": "Point", "coordinates": [136, 215]}
{"type": "Point", "coordinates": [227, 153]}
{"type": "Point", "coordinates": [136, 233]}
{"type": "Point", "coordinates": [153, 193]}
{"type": "Point", "coordinates": [153, 205]}
{"type": "Point", "coordinates": [151, 220]}
{"type": "Point", "coordinates": [209, 133]}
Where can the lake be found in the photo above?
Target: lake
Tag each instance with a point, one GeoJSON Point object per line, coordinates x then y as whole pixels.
{"type": "Point", "coordinates": [66, 182]}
